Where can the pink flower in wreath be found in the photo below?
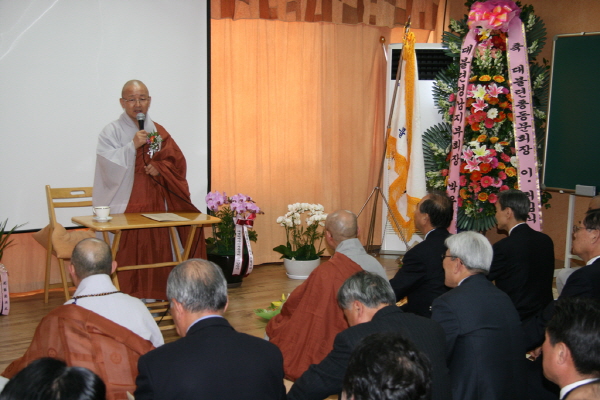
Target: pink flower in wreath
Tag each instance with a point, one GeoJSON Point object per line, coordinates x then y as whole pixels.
{"type": "Point", "coordinates": [494, 90]}
{"type": "Point", "coordinates": [494, 162]}
{"type": "Point", "coordinates": [503, 188]}
{"type": "Point", "coordinates": [497, 183]}
{"type": "Point", "coordinates": [463, 180]}
{"type": "Point", "coordinates": [492, 198]}
{"type": "Point", "coordinates": [479, 105]}
{"type": "Point", "coordinates": [502, 175]}
{"type": "Point", "coordinates": [505, 157]}
{"type": "Point", "coordinates": [487, 181]}
{"type": "Point", "coordinates": [472, 165]}
{"type": "Point", "coordinates": [475, 188]}
{"type": "Point", "coordinates": [451, 98]}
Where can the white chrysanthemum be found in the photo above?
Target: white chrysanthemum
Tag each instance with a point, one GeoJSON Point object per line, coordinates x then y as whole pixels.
{"type": "Point", "coordinates": [514, 161]}
{"type": "Point", "coordinates": [492, 113]}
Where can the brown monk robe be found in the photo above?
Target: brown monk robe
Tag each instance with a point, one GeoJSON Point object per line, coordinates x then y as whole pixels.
{"type": "Point", "coordinates": [146, 246]}
{"type": "Point", "coordinates": [311, 318]}
{"type": "Point", "coordinates": [83, 338]}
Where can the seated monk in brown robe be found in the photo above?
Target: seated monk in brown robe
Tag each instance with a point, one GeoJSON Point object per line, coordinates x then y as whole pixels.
{"type": "Point", "coordinates": [311, 318]}
{"type": "Point", "coordinates": [83, 338]}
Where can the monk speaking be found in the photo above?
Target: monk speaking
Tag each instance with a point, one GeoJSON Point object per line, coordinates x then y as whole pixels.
{"type": "Point", "coordinates": [140, 168]}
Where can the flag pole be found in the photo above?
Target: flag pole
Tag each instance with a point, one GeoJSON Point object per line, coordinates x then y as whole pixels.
{"type": "Point", "coordinates": [377, 191]}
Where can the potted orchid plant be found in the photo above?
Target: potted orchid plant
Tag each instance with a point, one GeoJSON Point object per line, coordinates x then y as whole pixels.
{"type": "Point", "coordinates": [229, 247]}
{"type": "Point", "coordinates": [304, 239]}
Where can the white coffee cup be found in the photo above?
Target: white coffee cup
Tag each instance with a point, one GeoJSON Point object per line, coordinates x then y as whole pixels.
{"type": "Point", "coordinates": [102, 212]}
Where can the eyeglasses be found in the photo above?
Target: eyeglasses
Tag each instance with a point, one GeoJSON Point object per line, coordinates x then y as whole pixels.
{"type": "Point", "coordinates": [133, 101]}
{"type": "Point", "coordinates": [444, 256]}
{"type": "Point", "coordinates": [576, 228]}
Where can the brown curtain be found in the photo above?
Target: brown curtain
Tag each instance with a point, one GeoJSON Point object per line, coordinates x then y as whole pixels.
{"type": "Point", "coordinates": [385, 13]}
{"type": "Point", "coordinates": [297, 116]}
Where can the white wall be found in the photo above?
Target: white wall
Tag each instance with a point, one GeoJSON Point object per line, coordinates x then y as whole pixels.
{"type": "Point", "coordinates": [62, 66]}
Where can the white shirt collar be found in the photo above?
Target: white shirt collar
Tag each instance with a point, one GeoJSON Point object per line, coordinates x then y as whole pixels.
{"type": "Point", "coordinates": [592, 260]}
{"type": "Point", "coordinates": [201, 318]}
{"type": "Point", "coordinates": [428, 233]}
{"type": "Point", "coordinates": [95, 284]}
{"type": "Point", "coordinates": [574, 385]}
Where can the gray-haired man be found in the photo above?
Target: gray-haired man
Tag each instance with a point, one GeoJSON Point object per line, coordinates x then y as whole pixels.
{"type": "Point", "coordinates": [368, 302]}
{"type": "Point", "coordinates": [211, 360]}
{"type": "Point", "coordinates": [486, 350]}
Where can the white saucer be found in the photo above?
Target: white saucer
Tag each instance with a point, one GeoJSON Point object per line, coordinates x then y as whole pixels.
{"type": "Point", "coordinates": [102, 219]}
{"type": "Point", "coordinates": [296, 276]}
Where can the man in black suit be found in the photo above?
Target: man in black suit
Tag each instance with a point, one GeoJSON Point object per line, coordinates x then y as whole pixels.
{"type": "Point", "coordinates": [572, 346]}
{"type": "Point", "coordinates": [368, 302]}
{"type": "Point", "coordinates": [585, 282]}
{"type": "Point", "coordinates": [211, 360]}
{"type": "Point", "coordinates": [523, 264]}
{"type": "Point", "coordinates": [486, 352]}
{"type": "Point", "coordinates": [421, 277]}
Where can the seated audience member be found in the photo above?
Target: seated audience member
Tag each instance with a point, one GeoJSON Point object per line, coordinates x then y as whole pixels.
{"type": "Point", "coordinates": [486, 352]}
{"type": "Point", "coordinates": [310, 318]}
{"type": "Point", "coordinates": [103, 330]}
{"type": "Point", "coordinates": [563, 274]}
{"type": "Point", "coordinates": [585, 282]}
{"type": "Point", "coordinates": [368, 302]}
{"type": "Point", "coordinates": [523, 263]}
{"type": "Point", "coordinates": [421, 277]}
{"type": "Point", "coordinates": [90, 269]}
{"type": "Point", "coordinates": [211, 360]}
{"type": "Point", "coordinates": [386, 366]}
{"type": "Point", "coordinates": [571, 351]}
{"type": "Point", "coordinates": [51, 379]}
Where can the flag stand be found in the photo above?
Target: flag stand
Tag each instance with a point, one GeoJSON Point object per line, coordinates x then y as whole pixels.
{"type": "Point", "coordinates": [377, 191]}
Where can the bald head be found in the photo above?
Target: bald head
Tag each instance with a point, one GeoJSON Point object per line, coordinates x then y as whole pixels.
{"type": "Point", "coordinates": [91, 257]}
{"type": "Point", "coordinates": [134, 83]}
{"type": "Point", "coordinates": [342, 225]}
{"type": "Point", "coordinates": [594, 203]}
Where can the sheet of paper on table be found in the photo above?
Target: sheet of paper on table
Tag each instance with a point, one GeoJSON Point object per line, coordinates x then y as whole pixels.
{"type": "Point", "coordinates": [162, 217]}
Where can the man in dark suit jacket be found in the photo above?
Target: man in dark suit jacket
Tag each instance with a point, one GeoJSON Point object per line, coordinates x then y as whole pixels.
{"type": "Point", "coordinates": [211, 360]}
{"type": "Point", "coordinates": [421, 277]}
{"type": "Point", "coordinates": [523, 264]}
{"type": "Point", "coordinates": [585, 282]}
{"type": "Point", "coordinates": [368, 303]}
{"type": "Point", "coordinates": [486, 352]}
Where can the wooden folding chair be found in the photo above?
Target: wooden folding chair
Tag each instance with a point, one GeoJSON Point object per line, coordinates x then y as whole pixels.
{"type": "Point", "coordinates": [62, 198]}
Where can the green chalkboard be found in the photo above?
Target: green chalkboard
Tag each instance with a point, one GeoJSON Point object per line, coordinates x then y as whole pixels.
{"type": "Point", "coordinates": [573, 132]}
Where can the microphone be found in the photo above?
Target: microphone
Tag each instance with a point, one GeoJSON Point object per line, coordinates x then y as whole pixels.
{"type": "Point", "coordinates": [141, 117]}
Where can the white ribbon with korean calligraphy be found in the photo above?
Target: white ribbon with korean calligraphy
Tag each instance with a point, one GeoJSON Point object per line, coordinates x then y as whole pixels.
{"type": "Point", "coordinates": [523, 122]}
{"type": "Point", "coordinates": [5, 298]}
{"type": "Point", "coordinates": [458, 123]}
{"type": "Point", "coordinates": [241, 236]}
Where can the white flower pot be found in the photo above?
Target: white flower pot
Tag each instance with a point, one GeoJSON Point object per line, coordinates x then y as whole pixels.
{"type": "Point", "coordinates": [300, 269]}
